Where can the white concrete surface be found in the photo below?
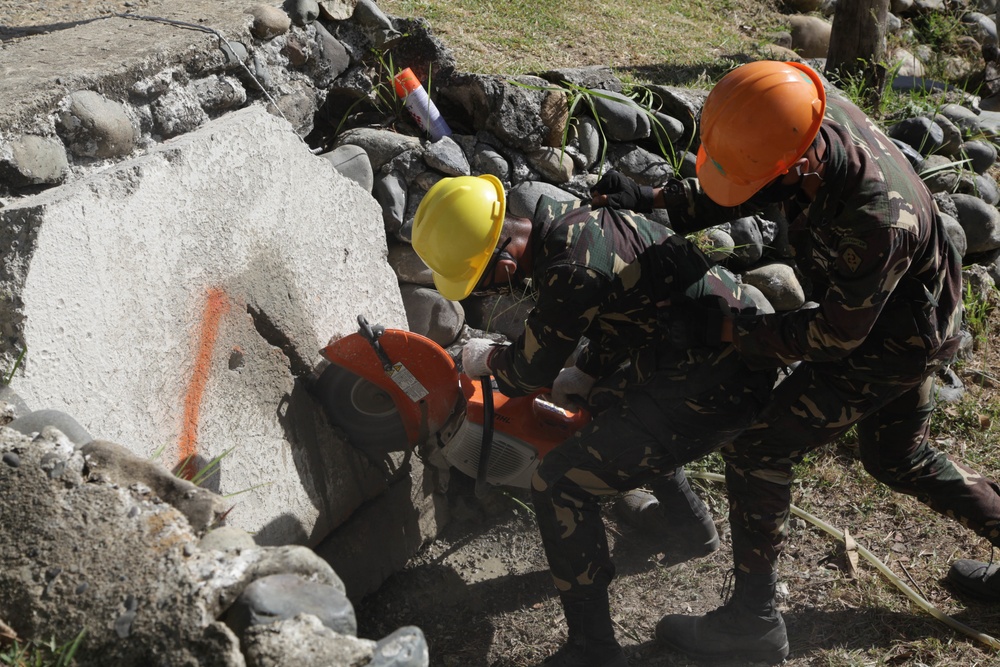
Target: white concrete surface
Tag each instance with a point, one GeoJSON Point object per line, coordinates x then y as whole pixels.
{"type": "Point", "coordinates": [118, 280]}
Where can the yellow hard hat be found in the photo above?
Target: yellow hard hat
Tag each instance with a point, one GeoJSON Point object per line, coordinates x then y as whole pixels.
{"type": "Point", "coordinates": [456, 229]}
{"type": "Point", "coordinates": [757, 121]}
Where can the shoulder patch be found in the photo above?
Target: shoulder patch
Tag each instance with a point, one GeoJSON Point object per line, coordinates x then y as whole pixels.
{"type": "Point", "coordinates": [851, 259]}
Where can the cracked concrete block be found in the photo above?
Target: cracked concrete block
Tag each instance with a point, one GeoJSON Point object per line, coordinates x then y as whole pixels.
{"type": "Point", "coordinates": [176, 300]}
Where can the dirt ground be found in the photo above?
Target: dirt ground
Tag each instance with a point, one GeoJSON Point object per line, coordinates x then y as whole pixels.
{"type": "Point", "coordinates": [24, 19]}
{"type": "Point", "coordinates": [482, 595]}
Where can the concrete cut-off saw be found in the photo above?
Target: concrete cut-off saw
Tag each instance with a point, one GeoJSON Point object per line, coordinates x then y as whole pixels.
{"type": "Point", "coordinates": [390, 389]}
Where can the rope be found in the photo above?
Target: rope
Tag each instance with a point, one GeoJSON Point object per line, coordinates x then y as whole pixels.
{"type": "Point", "coordinates": [917, 599]}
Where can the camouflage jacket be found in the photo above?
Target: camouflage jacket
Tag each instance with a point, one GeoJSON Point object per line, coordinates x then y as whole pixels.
{"type": "Point", "coordinates": [598, 275]}
{"type": "Point", "coordinates": [885, 274]}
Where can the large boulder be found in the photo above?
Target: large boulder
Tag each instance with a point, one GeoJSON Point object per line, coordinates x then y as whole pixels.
{"type": "Point", "coordinates": [176, 298]}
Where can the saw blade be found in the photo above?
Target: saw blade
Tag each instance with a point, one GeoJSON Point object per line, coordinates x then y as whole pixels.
{"type": "Point", "coordinates": [362, 409]}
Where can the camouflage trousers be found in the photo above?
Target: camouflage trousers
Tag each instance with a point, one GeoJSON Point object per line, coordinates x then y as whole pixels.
{"type": "Point", "coordinates": [644, 438]}
{"type": "Point", "coordinates": [812, 408]}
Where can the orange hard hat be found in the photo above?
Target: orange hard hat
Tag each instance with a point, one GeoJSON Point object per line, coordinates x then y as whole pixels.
{"type": "Point", "coordinates": [757, 121]}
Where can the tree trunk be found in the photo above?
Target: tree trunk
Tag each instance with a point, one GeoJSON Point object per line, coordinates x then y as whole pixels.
{"type": "Point", "coordinates": [857, 46]}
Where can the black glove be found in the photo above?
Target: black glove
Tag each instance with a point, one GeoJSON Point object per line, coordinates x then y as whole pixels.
{"type": "Point", "coordinates": [623, 192]}
{"type": "Point", "coordinates": [675, 194]}
{"type": "Point", "coordinates": [690, 324]}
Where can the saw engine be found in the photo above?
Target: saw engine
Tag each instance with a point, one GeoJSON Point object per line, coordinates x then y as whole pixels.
{"type": "Point", "coordinates": [390, 390]}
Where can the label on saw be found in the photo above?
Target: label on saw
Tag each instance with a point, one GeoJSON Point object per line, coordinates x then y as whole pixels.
{"type": "Point", "coordinates": [405, 380]}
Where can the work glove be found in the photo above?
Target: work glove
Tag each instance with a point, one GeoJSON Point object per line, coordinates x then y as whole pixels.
{"type": "Point", "coordinates": [571, 387]}
{"type": "Point", "coordinates": [690, 324]}
{"type": "Point", "coordinates": [476, 357]}
{"type": "Point", "coordinates": [623, 192]}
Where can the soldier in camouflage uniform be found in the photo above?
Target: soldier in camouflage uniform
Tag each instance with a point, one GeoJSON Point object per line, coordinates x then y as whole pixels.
{"type": "Point", "coordinates": [599, 275]}
{"type": "Point", "coordinates": [888, 283]}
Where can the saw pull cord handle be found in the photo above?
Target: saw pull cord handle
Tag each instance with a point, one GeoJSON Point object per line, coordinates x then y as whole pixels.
{"type": "Point", "coordinates": [372, 334]}
{"type": "Point", "coordinates": [487, 445]}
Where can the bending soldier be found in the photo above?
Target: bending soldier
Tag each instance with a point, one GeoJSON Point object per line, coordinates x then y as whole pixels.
{"type": "Point", "coordinates": [599, 275]}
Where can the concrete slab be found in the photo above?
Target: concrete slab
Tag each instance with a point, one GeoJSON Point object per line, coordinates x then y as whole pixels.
{"type": "Point", "coordinates": [100, 52]}
{"type": "Point", "coordinates": [171, 301]}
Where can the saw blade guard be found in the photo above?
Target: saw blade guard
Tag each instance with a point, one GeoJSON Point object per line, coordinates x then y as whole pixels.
{"type": "Point", "coordinates": [422, 381]}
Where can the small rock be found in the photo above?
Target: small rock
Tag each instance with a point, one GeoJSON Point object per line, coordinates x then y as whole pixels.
{"type": "Point", "coordinates": [280, 597]}
{"type": "Point", "coordinates": [302, 12]}
{"type": "Point", "coordinates": [123, 624]}
{"type": "Point", "coordinates": [406, 647]}
{"type": "Point", "coordinates": [390, 192]}
{"type": "Point", "coordinates": [552, 163]}
{"type": "Point", "coordinates": [352, 162]}
{"type": "Point", "coordinates": [381, 145]}
{"type": "Point", "coordinates": [430, 314]}
{"type": "Point", "coordinates": [268, 22]}
{"type": "Point", "coordinates": [980, 221]}
{"type": "Point", "coordinates": [95, 126]}
{"type": "Point", "coordinates": [408, 266]}
{"type": "Point", "coordinates": [447, 156]}
{"type": "Point", "coordinates": [641, 165]}
{"type": "Point", "coordinates": [488, 161]}
{"type": "Point", "coordinates": [226, 538]}
{"type": "Point", "coordinates": [32, 160]}
{"type": "Point", "coordinates": [748, 242]}
{"type": "Point", "coordinates": [620, 116]}
{"type": "Point", "coordinates": [981, 155]}
{"type": "Point", "coordinates": [779, 285]}
{"type": "Point", "coordinates": [810, 36]}
{"type": "Point", "coordinates": [922, 133]}
{"type": "Point", "coordinates": [338, 10]}
{"type": "Point", "coordinates": [303, 641]}
{"type": "Point", "coordinates": [589, 139]}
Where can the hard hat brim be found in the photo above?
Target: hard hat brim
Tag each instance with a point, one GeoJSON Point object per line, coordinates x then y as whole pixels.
{"type": "Point", "coordinates": [454, 290]}
{"type": "Point", "coordinates": [720, 189]}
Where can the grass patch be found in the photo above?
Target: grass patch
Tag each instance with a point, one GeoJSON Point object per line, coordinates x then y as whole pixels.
{"type": "Point", "coordinates": [519, 37]}
{"type": "Point", "coordinates": [35, 653]}
{"type": "Point", "coordinates": [17, 364]}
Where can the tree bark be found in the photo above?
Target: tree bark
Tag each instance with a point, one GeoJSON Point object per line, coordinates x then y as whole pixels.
{"type": "Point", "coordinates": [857, 46]}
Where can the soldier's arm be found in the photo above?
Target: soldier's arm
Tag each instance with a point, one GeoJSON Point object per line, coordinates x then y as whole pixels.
{"type": "Point", "coordinates": [566, 305]}
{"type": "Point", "coordinates": [868, 268]}
{"type": "Point", "coordinates": [691, 210]}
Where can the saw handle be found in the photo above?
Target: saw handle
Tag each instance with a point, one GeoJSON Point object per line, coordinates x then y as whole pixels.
{"type": "Point", "coordinates": [482, 487]}
{"type": "Point", "coordinates": [547, 412]}
{"type": "Point", "coordinates": [372, 334]}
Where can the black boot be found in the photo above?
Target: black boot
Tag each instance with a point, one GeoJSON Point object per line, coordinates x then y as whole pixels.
{"type": "Point", "coordinates": [675, 520]}
{"type": "Point", "coordinates": [976, 578]}
{"type": "Point", "coordinates": [748, 627]}
{"type": "Point", "coordinates": [591, 641]}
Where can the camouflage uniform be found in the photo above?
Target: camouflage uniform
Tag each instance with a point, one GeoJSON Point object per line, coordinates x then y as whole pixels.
{"type": "Point", "coordinates": [599, 275]}
{"type": "Point", "coordinates": [888, 285]}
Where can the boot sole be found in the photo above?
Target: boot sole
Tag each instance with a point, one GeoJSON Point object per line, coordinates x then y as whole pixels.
{"type": "Point", "coordinates": [773, 657]}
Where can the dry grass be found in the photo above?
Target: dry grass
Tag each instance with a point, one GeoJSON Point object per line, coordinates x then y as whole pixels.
{"type": "Point", "coordinates": [643, 40]}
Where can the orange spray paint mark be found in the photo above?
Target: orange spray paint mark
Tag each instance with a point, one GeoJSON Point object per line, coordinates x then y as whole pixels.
{"type": "Point", "coordinates": [216, 306]}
